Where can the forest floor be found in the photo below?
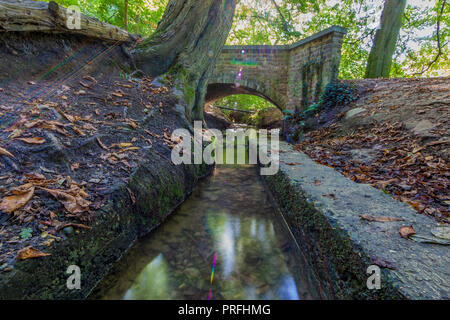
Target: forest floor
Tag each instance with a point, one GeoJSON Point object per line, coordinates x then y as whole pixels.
{"type": "Point", "coordinates": [395, 137]}
{"type": "Point", "coordinates": [61, 157]}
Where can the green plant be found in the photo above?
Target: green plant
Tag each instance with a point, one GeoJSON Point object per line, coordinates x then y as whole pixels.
{"type": "Point", "coordinates": [26, 233]}
{"type": "Point", "coordinates": [336, 94]}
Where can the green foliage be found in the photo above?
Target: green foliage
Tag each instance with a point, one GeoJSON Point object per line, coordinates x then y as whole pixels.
{"type": "Point", "coordinates": [26, 233]}
{"type": "Point", "coordinates": [259, 22]}
{"type": "Point", "coordinates": [335, 94]}
{"type": "Point", "coordinates": [244, 102]}
{"type": "Point", "coordinates": [143, 15]}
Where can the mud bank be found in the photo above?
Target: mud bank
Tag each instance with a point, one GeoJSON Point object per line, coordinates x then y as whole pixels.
{"type": "Point", "coordinates": [158, 187]}
{"type": "Point", "coordinates": [100, 130]}
{"type": "Point", "coordinates": [323, 210]}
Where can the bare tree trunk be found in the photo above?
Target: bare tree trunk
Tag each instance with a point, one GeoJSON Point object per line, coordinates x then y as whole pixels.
{"type": "Point", "coordinates": [125, 15]}
{"type": "Point", "coordinates": [380, 58]}
{"type": "Point", "coordinates": [186, 44]}
{"type": "Point", "coordinates": [138, 19]}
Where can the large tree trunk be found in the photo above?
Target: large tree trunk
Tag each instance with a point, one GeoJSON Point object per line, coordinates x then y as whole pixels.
{"type": "Point", "coordinates": [186, 44]}
{"type": "Point", "coordinates": [380, 58]}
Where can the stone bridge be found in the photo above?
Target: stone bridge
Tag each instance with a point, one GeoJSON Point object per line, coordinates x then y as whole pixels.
{"type": "Point", "coordinates": [289, 76]}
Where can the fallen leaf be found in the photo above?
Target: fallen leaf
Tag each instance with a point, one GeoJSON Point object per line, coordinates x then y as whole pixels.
{"type": "Point", "coordinates": [369, 217]}
{"type": "Point", "coordinates": [75, 166]}
{"type": "Point", "coordinates": [84, 84]}
{"type": "Point", "coordinates": [16, 133]}
{"type": "Point", "coordinates": [406, 231]}
{"type": "Point", "coordinates": [73, 201]}
{"type": "Point", "coordinates": [121, 145]}
{"type": "Point", "coordinates": [29, 253]}
{"type": "Point", "coordinates": [101, 144]}
{"type": "Point", "coordinates": [35, 140]}
{"type": "Point", "coordinates": [131, 123]}
{"type": "Point", "coordinates": [87, 77]}
{"type": "Point", "coordinates": [129, 149]}
{"type": "Point", "coordinates": [78, 131]}
{"type": "Point", "coordinates": [20, 197]}
{"type": "Point", "coordinates": [67, 116]}
{"type": "Point", "coordinates": [6, 152]}
{"type": "Point", "coordinates": [382, 262]}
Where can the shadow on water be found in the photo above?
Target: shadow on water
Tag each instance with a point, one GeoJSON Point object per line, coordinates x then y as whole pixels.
{"type": "Point", "coordinates": [229, 215]}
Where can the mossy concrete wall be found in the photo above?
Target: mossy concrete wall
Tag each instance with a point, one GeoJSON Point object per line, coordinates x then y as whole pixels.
{"type": "Point", "coordinates": [289, 76]}
{"type": "Point", "coordinates": [159, 187]}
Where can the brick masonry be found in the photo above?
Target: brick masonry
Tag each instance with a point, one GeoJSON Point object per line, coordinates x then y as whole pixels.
{"type": "Point", "coordinates": [290, 76]}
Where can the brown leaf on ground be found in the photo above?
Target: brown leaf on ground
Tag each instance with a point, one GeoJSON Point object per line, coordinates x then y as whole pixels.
{"type": "Point", "coordinates": [6, 152]}
{"type": "Point", "coordinates": [29, 253]}
{"type": "Point", "coordinates": [16, 133]}
{"type": "Point", "coordinates": [371, 218]}
{"type": "Point", "coordinates": [121, 145]}
{"type": "Point", "coordinates": [406, 231]}
{"type": "Point", "coordinates": [35, 140]}
{"type": "Point", "coordinates": [131, 123]}
{"type": "Point", "coordinates": [20, 197]}
{"type": "Point", "coordinates": [129, 149]}
{"type": "Point", "coordinates": [78, 131]}
{"type": "Point", "coordinates": [67, 116]}
{"type": "Point", "coordinates": [382, 262]}
{"type": "Point", "coordinates": [73, 199]}
{"type": "Point", "coordinates": [101, 144]}
{"type": "Point", "coordinates": [90, 78]}
{"type": "Point", "coordinates": [34, 176]}
{"type": "Point", "coordinates": [292, 163]}
{"type": "Point", "coordinates": [152, 134]}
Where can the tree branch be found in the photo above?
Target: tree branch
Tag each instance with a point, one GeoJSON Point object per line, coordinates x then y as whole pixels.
{"type": "Point", "coordinates": [438, 28]}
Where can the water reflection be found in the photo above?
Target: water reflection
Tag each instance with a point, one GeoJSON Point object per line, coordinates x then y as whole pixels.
{"type": "Point", "coordinates": [229, 214]}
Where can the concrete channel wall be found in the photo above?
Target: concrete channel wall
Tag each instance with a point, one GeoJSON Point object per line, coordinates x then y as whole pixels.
{"type": "Point", "coordinates": [323, 208]}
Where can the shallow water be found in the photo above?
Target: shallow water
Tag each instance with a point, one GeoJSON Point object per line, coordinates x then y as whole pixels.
{"type": "Point", "coordinates": [230, 217]}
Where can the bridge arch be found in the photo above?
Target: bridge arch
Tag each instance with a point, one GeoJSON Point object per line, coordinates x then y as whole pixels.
{"type": "Point", "coordinates": [289, 76]}
{"type": "Point", "coordinates": [224, 88]}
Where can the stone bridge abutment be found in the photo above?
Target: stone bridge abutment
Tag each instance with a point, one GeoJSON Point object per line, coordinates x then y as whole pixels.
{"type": "Point", "coordinates": [290, 76]}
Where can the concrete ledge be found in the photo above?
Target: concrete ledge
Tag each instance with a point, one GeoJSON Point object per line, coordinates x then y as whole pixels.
{"type": "Point", "coordinates": [333, 29]}
{"type": "Point", "coordinates": [269, 48]}
{"type": "Point", "coordinates": [323, 208]}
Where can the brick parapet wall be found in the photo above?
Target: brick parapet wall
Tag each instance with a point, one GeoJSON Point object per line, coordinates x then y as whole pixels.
{"type": "Point", "coordinates": [290, 76]}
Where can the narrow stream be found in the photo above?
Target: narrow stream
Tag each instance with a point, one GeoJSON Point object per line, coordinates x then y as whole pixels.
{"type": "Point", "coordinates": [229, 218]}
